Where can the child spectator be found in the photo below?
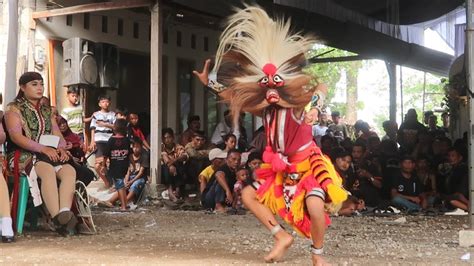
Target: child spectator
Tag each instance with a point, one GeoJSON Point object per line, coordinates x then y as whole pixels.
{"type": "Point", "coordinates": [121, 113]}
{"type": "Point", "coordinates": [102, 125]}
{"type": "Point", "coordinates": [137, 172]}
{"type": "Point", "coordinates": [216, 157]}
{"type": "Point", "coordinates": [73, 113]}
{"type": "Point", "coordinates": [118, 151]}
{"type": "Point", "coordinates": [242, 176]}
{"type": "Point", "coordinates": [135, 131]}
{"type": "Point", "coordinates": [254, 161]}
{"type": "Point", "coordinates": [230, 142]}
{"type": "Point", "coordinates": [173, 157]}
{"type": "Point", "coordinates": [136, 177]}
{"type": "Point", "coordinates": [406, 190]}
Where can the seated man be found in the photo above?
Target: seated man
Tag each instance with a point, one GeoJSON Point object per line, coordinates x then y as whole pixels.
{"type": "Point", "coordinates": [198, 158]}
{"type": "Point", "coordinates": [406, 191]}
{"type": "Point", "coordinates": [363, 178]}
{"type": "Point", "coordinates": [219, 190]}
{"type": "Point", "coordinates": [173, 157]}
{"type": "Point", "coordinates": [457, 181]}
{"type": "Point", "coordinates": [216, 157]}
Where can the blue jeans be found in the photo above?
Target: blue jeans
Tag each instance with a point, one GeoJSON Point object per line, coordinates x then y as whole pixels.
{"type": "Point", "coordinates": [215, 194]}
{"type": "Point", "coordinates": [137, 186]}
{"type": "Point", "coordinates": [404, 203]}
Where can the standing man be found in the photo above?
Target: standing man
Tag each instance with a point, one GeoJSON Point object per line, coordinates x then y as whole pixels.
{"type": "Point", "coordinates": [338, 128]}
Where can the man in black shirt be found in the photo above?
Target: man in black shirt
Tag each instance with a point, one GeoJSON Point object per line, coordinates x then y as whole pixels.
{"type": "Point", "coordinates": [218, 191]}
{"type": "Point", "coordinates": [406, 191]}
{"type": "Point", "coordinates": [457, 182]}
{"type": "Point", "coordinates": [409, 131]}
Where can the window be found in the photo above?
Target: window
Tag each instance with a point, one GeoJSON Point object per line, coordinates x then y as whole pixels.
{"type": "Point", "coordinates": [178, 38]}
{"type": "Point", "coordinates": [69, 20]}
{"type": "Point", "coordinates": [206, 44]}
{"type": "Point", "coordinates": [120, 27]}
{"type": "Point", "coordinates": [87, 20]}
{"type": "Point", "coordinates": [211, 109]}
{"type": "Point", "coordinates": [104, 24]}
{"type": "Point", "coordinates": [193, 41]}
{"type": "Point", "coordinates": [136, 28]}
{"type": "Point", "coordinates": [185, 92]}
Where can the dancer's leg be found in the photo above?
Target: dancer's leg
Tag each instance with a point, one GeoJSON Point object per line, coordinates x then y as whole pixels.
{"type": "Point", "coordinates": [315, 206]}
{"type": "Point", "coordinates": [283, 240]}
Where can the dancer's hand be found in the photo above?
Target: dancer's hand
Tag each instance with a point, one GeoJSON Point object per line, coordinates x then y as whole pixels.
{"type": "Point", "coordinates": [203, 76]}
{"type": "Point", "coordinates": [319, 261]}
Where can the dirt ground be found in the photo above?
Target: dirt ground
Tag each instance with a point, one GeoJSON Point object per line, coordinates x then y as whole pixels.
{"type": "Point", "coordinates": [156, 235]}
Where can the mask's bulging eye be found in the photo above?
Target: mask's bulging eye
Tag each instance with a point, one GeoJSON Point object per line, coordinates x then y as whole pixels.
{"type": "Point", "coordinates": [264, 80]}
{"type": "Point", "coordinates": [277, 79]}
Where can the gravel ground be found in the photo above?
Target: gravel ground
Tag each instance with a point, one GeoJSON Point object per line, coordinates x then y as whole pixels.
{"type": "Point", "coordinates": [154, 235]}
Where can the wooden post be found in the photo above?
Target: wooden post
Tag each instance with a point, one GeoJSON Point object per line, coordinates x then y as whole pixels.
{"type": "Point", "coordinates": [155, 94]}
{"type": "Point", "coordinates": [12, 52]}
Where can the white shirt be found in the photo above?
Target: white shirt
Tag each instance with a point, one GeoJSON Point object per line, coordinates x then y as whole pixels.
{"type": "Point", "coordinates": [102, 134]}
{"type": "Point", "coordinates": [221, 130]}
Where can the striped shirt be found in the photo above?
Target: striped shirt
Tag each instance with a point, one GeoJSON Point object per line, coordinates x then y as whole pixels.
{"type": "Point", "coordinates": [73, 116]}
{"type": "Point", "coordinates": [102, 134]}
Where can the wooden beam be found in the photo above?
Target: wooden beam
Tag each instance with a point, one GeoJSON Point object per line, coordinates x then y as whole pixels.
{"type": "Point", "coordinates": [95, 7]}
{"type": "Point", "coordinates": [155, 93]}
{"type": "Point", "coordinates": [337, 59]}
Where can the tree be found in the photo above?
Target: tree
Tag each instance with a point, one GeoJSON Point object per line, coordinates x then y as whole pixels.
{"type": "Point", "coordinates": [331, 73]}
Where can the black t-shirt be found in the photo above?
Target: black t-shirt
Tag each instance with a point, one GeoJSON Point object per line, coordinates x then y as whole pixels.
{"type": "Point", "coordinates": [459, 179]}
{"type": "Point", "coordinates": [407, 186]}
{"type": "Point", "coordinates": [230, 177]}
{"type": "Point", "coordinates": [118, 150]}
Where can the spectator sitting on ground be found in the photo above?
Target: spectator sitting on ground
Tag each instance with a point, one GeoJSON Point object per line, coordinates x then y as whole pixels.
{"type": "Point", "coordinates": [390, 128]}
{"type": "Point", "coordinates": [457, 182]}
{"type": "Point", "coordinates": [406, 190]}
{"type": "Point", "coordinates": [135, 132]}
{"type": "Point", "coordinates": [351, 206]}
{"type": "Point", "coordinates": [222, 129]}
{"type": "Point", "coordinates": [194, 125]}
{"type": "Point", "coordinates": [218, 192]}
{"type": "Point", "coordinates": [342, 160]}
{"type": "Point", "coordinates": [408, 132]}
{"type": "Point", "coordinates": [173, 158]}
{"type": "Point", "coordinates": [365, 180]}
{"type": "Point", "coordinates": [338, 128]}
{"type": "Point", "coordinates": [320, 128]}
{"type": "Point", "coordinates": [328, 142]}
{"type": "Point", "coordinates": [198, 158]}
{"type": "Point", "coordinates": [426, 177]}
{"type": "Point", "coordinates": [230, 142]}
{"type": "Point", "coordinates": [242, 176]}
{"type": "Point", "coordinates": [75, 147]}
{"type": "Point", "coordinates": [216, 157]}
{"type": "Point", "coordinates": [254, 161]}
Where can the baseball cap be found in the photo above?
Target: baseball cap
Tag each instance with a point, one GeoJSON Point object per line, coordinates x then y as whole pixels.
{"type": "Point", "coordinates": [217, 153]}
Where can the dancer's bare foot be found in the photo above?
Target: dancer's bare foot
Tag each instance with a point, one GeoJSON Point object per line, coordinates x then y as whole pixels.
{"type": "Point", "coordinates": [319, 261]}
{"type": "Point", "coordinates": [283, 241]}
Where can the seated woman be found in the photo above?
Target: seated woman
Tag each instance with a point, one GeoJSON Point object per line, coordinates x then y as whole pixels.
{"type": "Point", "coordinates": [26, 122]}
{"type": "Point", "coordinates": [5, 218]}
{"type": "Point", "coordinates": [75, 147]}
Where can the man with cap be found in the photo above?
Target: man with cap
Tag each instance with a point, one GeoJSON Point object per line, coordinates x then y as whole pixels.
{"type": "Point", "coordinates": [338, 128]}
{"type": "Point", "coordinates": [219, 190]}
{"type": "Point", "coordinates": [216, 157]}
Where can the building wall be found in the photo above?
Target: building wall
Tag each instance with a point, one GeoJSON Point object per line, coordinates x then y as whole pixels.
{"type": "Point", "coordinates": [57, 28]}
